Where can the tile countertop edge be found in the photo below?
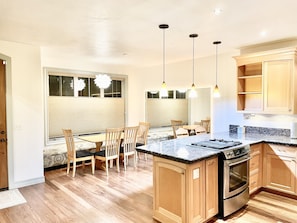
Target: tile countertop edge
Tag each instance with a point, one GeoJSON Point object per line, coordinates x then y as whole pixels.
{"type": "Point", "coordinates": [180, 151]}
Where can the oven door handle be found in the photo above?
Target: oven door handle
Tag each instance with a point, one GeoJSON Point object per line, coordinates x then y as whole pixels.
{"type": "Point", "coordinates": [240, 161]}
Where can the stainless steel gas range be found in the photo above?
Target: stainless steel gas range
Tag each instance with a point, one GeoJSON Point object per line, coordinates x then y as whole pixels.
{"type": "Point", "coordinates": [233, 174]}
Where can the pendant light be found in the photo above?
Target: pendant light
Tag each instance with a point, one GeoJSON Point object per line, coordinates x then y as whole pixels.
{"type": "Point", "coordinates": [216, 92]}
{"type": "Point", "coordinates": [193, 92]}
{"type": "Point", "coordinates": [163, 91]}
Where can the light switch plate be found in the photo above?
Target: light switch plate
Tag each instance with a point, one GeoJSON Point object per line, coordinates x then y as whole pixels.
{"type": "Point", "coordinates": [195, 173]}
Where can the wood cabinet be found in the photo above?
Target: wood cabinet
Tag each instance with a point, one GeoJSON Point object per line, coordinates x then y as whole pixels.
{"type": "Point", "coordinates": [266, 82]}
{"type": "Point", "coordinates": [186, 193]}
{"type": "Point", "coordinates": [256, 167]}
{"type": "Point", "coordinates": [280, 169]}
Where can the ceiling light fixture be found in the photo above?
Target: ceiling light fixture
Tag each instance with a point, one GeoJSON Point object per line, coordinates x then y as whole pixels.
{"type": "Point", "coordinates": [164, 91]}
{"type": "Point", "coordinates": [216, 92]}
{"type": "Point", "coordinates": [217, 11]}
{"type": "Point", "coordinates": [102, 81]}
{"type": "Point", "coordinates": [193, 93]}
{"type": "Point", "coordinates": [79, 84]}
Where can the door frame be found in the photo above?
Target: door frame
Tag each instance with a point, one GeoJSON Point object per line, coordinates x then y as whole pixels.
{"type": "Point", "coordinates": [9, 119]}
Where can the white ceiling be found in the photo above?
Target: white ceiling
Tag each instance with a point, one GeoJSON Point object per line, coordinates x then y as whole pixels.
{"type": "Point", "coordinates": [127, 31]}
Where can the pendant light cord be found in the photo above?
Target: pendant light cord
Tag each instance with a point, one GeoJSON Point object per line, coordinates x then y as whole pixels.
{"type": "Point", "coordinates": [193, 61]}
{"type": "Point", "coordinates": [163, 55]}
{"type": "Point", "coordinates": [216, 64]}
{"type": "Point", "coordinates": [216, 43]}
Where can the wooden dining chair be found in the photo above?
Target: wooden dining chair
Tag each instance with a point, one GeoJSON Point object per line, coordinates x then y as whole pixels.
{"type": "Point", "coordinates": [142, 134]}
{"type": "Point", "coordinates": [206, 124]}
{"type": "Point", "coordinates": [181, 132]}
{"type": "Point", "coordinates": [111, 149]}
{"type": "Point", "coordinates": [75, 156]}
{"type": "Point", "coordinates": [128, 146]}
{"type": "Point", "coordinates": [177, 127]}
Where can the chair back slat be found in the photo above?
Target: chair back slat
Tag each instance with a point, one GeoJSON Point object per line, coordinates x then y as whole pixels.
{"type": "Point", "coordinates": [143, 132]}
{"type": "Point", "coordinates": [69, 142]}
{"type": "Point", "coordinates": [129, 142]}
{"type": "Point", "coordinates": [176, 124]}
{"type": "Point", "coordinates": [112, 142]}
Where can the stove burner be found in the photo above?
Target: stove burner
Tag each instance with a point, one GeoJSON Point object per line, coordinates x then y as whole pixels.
{"type": "Point", "coordinates": [217, 143]}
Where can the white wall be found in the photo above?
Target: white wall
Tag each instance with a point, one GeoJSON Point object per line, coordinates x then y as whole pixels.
{"type": "Point", "coordinates": [24, 114]}
{"type": "Point", "coordinates": [26, 99]}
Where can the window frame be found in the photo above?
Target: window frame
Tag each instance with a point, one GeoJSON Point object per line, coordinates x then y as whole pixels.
{"type": "Point", "coordinates": [81, 74]}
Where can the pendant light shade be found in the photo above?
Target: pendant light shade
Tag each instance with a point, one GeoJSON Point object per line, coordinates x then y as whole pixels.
{"type": "Point", "coordinates": [193, 92]}
{"type": "Point", "coordinates": [216, 92]}
{"type": "Point", "coordinates": [164, 91]}
{"type": "Point", "coordinates": [102, 81]}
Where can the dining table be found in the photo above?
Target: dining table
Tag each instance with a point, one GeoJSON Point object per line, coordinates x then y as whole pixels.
{"type": "Point", "coordinates": [98, 139]}
{"type": "Point", "coordinates": [191, 129]}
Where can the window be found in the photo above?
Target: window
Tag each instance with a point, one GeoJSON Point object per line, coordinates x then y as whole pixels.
{"type": "Point", "coordinates": [83, 110]}
{"type": "Point", "coordinates": [153, 94]}
{"type": "Point", "coordinates": [180, 95]}
{"type": "Point", "coordinates": [156, 94]}
{"type": "Point", "coordinates": [60, 86]}
{"type": "Point", "coordinates": [63, 86]}
{"type": "Point", "coordinates": [114, 90]}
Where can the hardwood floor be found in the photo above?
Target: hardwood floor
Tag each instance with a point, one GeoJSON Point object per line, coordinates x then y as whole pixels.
{"type": "Point", "coordinates": [121, 197]}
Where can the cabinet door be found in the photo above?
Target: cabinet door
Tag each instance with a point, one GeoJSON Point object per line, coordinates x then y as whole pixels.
{"type": "Point", "coordinates": [211, 187]}
{"type": "Point", "coordinates": [280, 172]}
{"type": "Point", "coordinates": [278, 75]}
{"type": "Point", "coordinates": [169, 189]}
{"type": "Point", "coordinates": [256, 167]}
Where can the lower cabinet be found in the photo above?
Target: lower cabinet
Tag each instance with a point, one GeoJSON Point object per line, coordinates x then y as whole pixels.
{"type": "Point", "coordinates": [256, 167]}
{"type": "Point", "coordinates": [186, 193]}
{"type": "Point", "coordinates": [280, 169]}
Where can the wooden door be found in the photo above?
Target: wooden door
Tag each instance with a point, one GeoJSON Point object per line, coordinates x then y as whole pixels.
{"type": "Point", "coordinates": [3, 136]}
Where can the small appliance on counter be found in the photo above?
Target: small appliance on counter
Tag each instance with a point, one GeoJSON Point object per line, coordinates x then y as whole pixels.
{"type": "Point", "coordinates": [240, 130]}
{"type": "Point", "coordinates": [293, 130]}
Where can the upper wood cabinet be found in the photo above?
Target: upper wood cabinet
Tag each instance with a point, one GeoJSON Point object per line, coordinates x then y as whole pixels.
{"type": "Point", "coordinates": [266, 82]}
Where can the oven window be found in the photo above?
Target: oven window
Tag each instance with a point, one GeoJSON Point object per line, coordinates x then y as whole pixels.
{"type": "Point", "coordinates": [238, 176]}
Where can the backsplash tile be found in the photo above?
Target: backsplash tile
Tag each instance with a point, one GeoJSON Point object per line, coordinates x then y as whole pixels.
{"type": "Point", "coordinates": [261, 130]}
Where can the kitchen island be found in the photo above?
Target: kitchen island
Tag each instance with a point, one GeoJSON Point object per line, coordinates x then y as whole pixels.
{"type": "Point", "coordinates": [185, 177]}
{"type": "Point", "coordinates": [185, 180]}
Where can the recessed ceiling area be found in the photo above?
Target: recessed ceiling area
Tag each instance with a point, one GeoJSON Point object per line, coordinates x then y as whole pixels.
{"type": "Point", "coordinates": [127, 32]}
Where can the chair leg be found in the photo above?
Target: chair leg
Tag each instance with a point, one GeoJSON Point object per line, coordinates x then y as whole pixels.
{"type": "Point", "coordinates": [125, 162]}
{"type": "Point", "coordinates": [106, 167]}
{"type": "Point", "coordinates": [134, 160]}
{"type": "Point", "coordinates": [118, 164]}
{"type": "Point", "coordinates": [74, 169]}
{"type": "Point", "coordinates": [68, 167]}
{"type": "Point", "coordinates": [93, 165]}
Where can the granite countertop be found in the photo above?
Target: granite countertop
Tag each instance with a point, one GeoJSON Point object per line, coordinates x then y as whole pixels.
{"type": "Point", "coordinates": [181, 150]}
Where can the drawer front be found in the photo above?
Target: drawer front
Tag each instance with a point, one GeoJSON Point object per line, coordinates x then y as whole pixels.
{"type": "Point", "coordinates": [281, 150]}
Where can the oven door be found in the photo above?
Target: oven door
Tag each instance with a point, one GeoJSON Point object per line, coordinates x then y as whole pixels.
{"type": "Point", "coordinates": [236, 175]}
